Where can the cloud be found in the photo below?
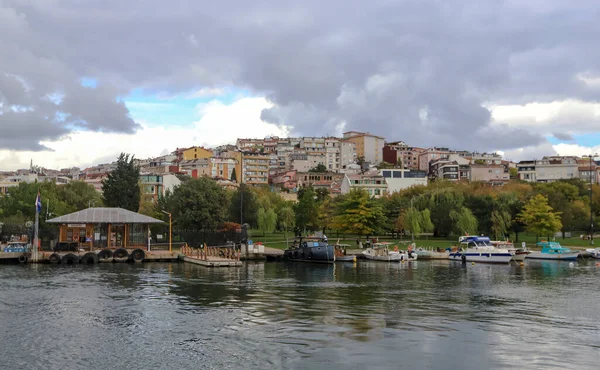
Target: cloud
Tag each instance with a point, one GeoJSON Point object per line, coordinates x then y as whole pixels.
{"type": "Point", "coordinates": [220, 124]}
{"type": "Point", "coordinates": [426, 72]}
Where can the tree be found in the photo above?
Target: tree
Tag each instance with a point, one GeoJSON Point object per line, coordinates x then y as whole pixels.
{"type": "Point", "coordinates": [413, 222]}
{"type": "Point", "coordinates": [358, 213]}
{"type": "Point", "coordinates": [249, 206]}
{"type": "Point", "coordinates": [79, 195]}
{"type": "Point", "coordinates": [121, 188]}
{"type": "Point", "coordinates": [426, 224]}
{"type": "Point", "coordinates": [233, 176]}
{"type": "Point", "coordinates": [199, 204]}
{"type": "Point", "coordinates": [501, 222]}
{"type": "Point", "coordinates": [322, 194]}
{"type": "Point", "coordinates": [464, 221]}
{"type": "Point", "coordinates": [307, 213]}
{"type": "Point", "coordinates": [326, 214]}
{"type": "Point", "coordinates": [514, 173]}
{"type": "Point", "coordinates": [286, 219]}
{"type": "Point", "coordinates": [319, 168]}
{"type": "Point", "coordinates": [267, 220]}
{"type": "Point", "coordinates": [539, 217]}
{"type": "Point", "coordinates": [385, 165]}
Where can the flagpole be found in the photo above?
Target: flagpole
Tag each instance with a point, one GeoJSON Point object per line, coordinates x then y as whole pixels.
{"type": "Point", "coordinates": [34, 247]}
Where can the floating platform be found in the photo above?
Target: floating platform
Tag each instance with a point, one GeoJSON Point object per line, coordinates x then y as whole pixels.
{"type": "Point", "coordinates": [212, 261]}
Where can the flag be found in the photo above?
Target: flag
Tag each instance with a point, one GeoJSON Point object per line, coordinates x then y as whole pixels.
{"type": "Point", "coordinates": [38, 203]}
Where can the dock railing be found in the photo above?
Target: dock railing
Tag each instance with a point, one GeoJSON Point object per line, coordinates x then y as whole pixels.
{"type": "Point", "coordinates": [205, 252]}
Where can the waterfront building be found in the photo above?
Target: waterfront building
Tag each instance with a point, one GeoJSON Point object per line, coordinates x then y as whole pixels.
{"type": "Point", "coordinates": [94, 228]}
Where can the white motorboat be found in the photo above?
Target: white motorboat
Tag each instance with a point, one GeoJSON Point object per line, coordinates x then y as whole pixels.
{"type": "Point", "coordinates": [553, 251]}
{"type": "Point", "coordinates": [519, 253]}
{"type": "Point", "coordinates": [594, 253]}
{"type": "Point", "coordinates": [479, 249]}
{"type": "Point", "coordinates": [382, 252]}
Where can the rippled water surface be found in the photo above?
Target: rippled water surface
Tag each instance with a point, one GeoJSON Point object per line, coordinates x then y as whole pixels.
{"type": "Point", "coordinates": [423, 315]}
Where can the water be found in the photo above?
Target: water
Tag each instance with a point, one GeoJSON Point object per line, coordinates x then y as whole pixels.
{"type": "Point", "coordinates": [424, 315]}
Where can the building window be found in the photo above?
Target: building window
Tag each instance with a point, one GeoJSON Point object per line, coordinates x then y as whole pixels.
{"type": "Point", "coordinates": [387, 174]}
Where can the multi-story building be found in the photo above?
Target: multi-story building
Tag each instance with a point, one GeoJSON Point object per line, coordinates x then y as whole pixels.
{"type": "Point", "coordinates": [373, 183]}
{"type": "Point", "coordinates": [327, 180]}
{"type": "Point", "coordinates": [549, 169]}
{"type": "Point", "coordinates": [495, 174]}
{"type": "Point", "coordinates": [431, 154]}
{"type": "Point", "coordinates": [444, 169]}
{"type": "Point", "coordinates": [486, 158]}
{"type": "Point", "coordinates": [588, 170]}
{"type": "Point", "coordinates": [398, 179]}
{"type": "Point", "coordinates": [237, 157]}
{"type": "Point", "coordinates": [399, 153]}
{"type": "Point", "coordinates": [285, 179]}
{"type": "Point", "coordinates": [526, 171]}
{"type": "Point", "coordinates": [368, 146]}
{"type": "Point", "coordinates": [308, 161]}
{"type": "Point", "coordinates": [255, 168]}
{"type": "Point", "coordinates": [156, 185]}
{"type": "Point", "coordinates": [254, 145]}
{"type": "Point", "coordinates": [214, 167]}
{"type": "Point", "coordinates": [196, 152]}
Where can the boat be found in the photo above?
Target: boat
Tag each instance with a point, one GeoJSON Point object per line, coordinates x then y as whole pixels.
{"type": "Point", "coordinates": [431, 254]}
{"type": "Point", "coordinates": [553, 251]}
{"type": "Point", "coordinates": [340, 253]}
{"type": "Point", "coordinates": [594, 253]}
{"type": "Point", "coordinates": [519, 253]}
{"type": "Point", "coordinates": [382, 252]}
{"type": "Point", "coordinates": [479, 249]}
{"type": "Point", "coordinates": [310, 249]}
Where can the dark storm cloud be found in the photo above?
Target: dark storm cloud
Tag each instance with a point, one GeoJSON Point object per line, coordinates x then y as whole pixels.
{"type": "Point", "coordinates": [420, 71]}
{"type": "Point", "coordinates": [563, 136]}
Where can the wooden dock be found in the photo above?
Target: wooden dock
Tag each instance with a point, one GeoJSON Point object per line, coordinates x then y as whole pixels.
{"type": "Point", "coordinates": [212, 261]}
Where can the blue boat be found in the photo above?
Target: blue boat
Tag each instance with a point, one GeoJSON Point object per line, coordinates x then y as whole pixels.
{"type": "Point", "coordinates": [310, 250]}
{"type": "Point", "coordinates": [553, 251]}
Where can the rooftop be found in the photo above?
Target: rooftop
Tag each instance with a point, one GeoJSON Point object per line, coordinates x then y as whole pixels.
{"type": "Point", "coordinates": [104, 216]}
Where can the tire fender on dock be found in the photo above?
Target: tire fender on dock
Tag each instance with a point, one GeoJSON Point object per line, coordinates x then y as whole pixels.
{"type": "Point", "coordinates": [23, 258]}
{"type": "Point", "coordinates": [54, 258]}
{"type": "Point", "coordinates": [121, 255]}
{"type": "Point", "coordinates": [89, 258]}
{"type": "Point", "coordinates": [105, 255]}
{"type": "Point", "coordinates": [69, 259]}
{"type": "Point", "coordinates": [138, 255]}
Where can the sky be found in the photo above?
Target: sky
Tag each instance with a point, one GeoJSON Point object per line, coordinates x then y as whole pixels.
{"type": "Point", "coordinates": [82, 81]}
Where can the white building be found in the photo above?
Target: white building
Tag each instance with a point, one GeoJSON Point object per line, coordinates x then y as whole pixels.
{"type": "Point", "coordinates": [398, 179]}
{"type": "Point", "coordinates": [373, 183]}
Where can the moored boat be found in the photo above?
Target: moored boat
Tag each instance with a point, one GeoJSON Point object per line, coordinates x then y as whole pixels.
{"type": "Point", "coordinates": [310, 249]}
{"type": "Point", "coordinates": [594, 253]}
{"type": "Point", "coordinates": [340, 253]}
{"type": "Point", "coordinates": [519, 253]}
{"type": "Point", "coordinates": [382, 252]}
{"type": "Point", "coordinates": [479, 249]}
{"type": "Point", "coordinates": [553, 251]}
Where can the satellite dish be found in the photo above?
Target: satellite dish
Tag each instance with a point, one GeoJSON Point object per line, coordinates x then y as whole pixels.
{"type": "Point", "coordinates": [28, 224]}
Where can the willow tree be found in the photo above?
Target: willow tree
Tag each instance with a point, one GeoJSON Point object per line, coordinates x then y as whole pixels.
{"type": "Point", "coordinates": [464, 221]}
{"type": "Point", "coordinates": [501, 222]}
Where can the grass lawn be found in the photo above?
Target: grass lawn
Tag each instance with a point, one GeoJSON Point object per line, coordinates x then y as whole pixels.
{"type": "Point", "coordinates": [277, 240]}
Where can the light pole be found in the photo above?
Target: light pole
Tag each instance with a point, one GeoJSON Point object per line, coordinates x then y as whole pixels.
{"type": "Point", "coordinates": [170, 230]}
{"type": "Point", "coordinates": [591, 211]}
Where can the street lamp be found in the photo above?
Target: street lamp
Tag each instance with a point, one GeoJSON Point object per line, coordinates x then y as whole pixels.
{"type": "Point", "coordinates": [170, 230]}
{"type": "Point", "coordinates": [591, 211]}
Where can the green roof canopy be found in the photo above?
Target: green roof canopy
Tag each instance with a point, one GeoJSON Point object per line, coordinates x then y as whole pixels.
{"type": "Point", "coordinates": [104, 216]}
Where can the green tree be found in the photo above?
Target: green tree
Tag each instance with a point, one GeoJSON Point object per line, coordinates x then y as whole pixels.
{"type": "Point", "coordinates": [307, 210]}
{"type": "Point", "coordinates": [326, 214]}
{"type": "Point", "coordinates": [319, 168]}
{"type": "Point", "coordinates": [426, 224]}
{"type": "Point", "coordinates": [358, 213]}
{"type": "Point", "coordinates": [199, 204]}
{"type": "Point", "coordinates": [385, 165]}
{"type": "Point", "coordinates": [249, 206]}
{"type": "Point", "coordinates": [501, 223]}
{"type": "Point", "coordinates": [413, 222]}
{"type": "Point", "coordinates": [539, 218]}
{"type": "Point", "coordinates": [464, 221]}
{"type": "Point", "coordinates": [79, 195]}
{"type": "Point", "coordinates": [286, 219]}
{"type": "Point", "coordinates": [267, 220]}
{"type": "Point", "coordinates": [322, 194]}
{"type": "Point", "coordinates": [121, 188]}
{"type": "Point", "coordinates": [233, 176]}
{"type": "Point", "coordinates": [514, 173]}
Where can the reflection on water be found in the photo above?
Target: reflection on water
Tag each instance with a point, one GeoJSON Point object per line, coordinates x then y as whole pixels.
{"type": "Point", "coordinates": [423, 314]}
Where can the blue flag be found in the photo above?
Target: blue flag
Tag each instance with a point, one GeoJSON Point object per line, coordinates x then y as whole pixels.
{"type": "Point", "coordinates": [38, 203]}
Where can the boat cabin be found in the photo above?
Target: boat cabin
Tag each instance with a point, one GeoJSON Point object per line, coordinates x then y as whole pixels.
{"type": "Point", "coordinates": [103, 228]}
{"type": "Point", "coordinates": [475, 241]}
{"type": "Point", "coordinates": [552, 247]}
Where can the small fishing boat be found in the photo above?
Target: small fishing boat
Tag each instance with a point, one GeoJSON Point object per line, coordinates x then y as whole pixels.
{"type": "Point", "coordinates": [310, 249]}
{"type": "Point", "coordinates": [519, 253]}
{"type": "Point", "coordinates": [382, 252]}
{"type": "Point", "coordinates": [479, 249]}
{"type": "Point", "coordinates": [553, 251]}
{"type": "Point", "coordinates": [340, 253]}
{"type": "Point", "coordinates": [431, 254]}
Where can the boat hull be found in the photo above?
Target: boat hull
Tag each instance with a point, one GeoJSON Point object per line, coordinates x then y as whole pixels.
{"type": "Point", "coordinates": [345, 259]}
{"type": "Point", "coordinates": [481, 257]}
{"type": "Point", "coordinates": [320, 254]}
{"type": "Point", "coordinates": [569, 256]}
{"type": "Point", "coordinates": [520, 256]}
{"type": "Point", "coordinates": [390, 257]}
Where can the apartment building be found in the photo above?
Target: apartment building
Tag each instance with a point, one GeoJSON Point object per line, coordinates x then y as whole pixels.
{"type": "Point", "coordinates": [431, 154]}
{"type": "Point", "coordinates": [156, 185]}
{"type": "Point", "coordinates": [398, 152]}
{"type": "Point", "coordinates": [196, 152]}
{"type": "Point", "coordinates": [326, 180]}
{"type": "Point", "coordinates": [255, 168]}
{"type": "Point", "coordinates": [368, 146]}
{"type": "Point", "coordinates": [549, 169]}
{"type": "Point", "coordinates": [444, 169]}
{"type": "Point", "coordinates": [373, 183]}
{"type": "Point", "coordinates": [490, 173]}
